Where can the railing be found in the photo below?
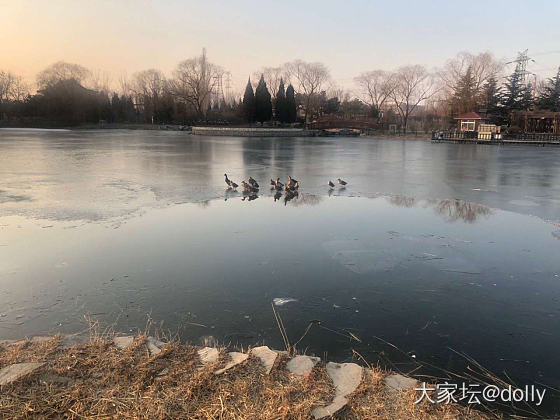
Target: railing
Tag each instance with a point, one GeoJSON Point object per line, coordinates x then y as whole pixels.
{"type": "Point", "coordinates": [536, 137]}
{"type": "Point", "coordinates": [473, 136]}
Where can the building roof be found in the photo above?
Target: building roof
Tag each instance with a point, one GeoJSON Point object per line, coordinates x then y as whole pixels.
{"type": "Point", "coordinates": [470, 116]}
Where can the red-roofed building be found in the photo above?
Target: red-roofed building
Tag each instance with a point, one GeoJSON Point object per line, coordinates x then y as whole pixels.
{"type": "Point", "coordinates": [470, 121]}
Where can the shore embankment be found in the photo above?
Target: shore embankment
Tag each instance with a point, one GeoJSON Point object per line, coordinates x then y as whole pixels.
{"type": "Point", "coordinates": [143, 377]}
{"type": "Point", "coordinates": [254, 132]}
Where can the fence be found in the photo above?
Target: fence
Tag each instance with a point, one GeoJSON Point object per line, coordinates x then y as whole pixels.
{"type": "Point", "coordinates": [473, 136]}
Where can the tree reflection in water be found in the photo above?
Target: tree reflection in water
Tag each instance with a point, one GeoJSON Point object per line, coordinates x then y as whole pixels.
{"type": "Point", "coordinates": [402, 201]}
{"type": "Point", "coordinates": [305, 200]}
{"type": "Point", "coordinates": [453, 210]}
{"type": "Point", "coordinates": [450, 209]}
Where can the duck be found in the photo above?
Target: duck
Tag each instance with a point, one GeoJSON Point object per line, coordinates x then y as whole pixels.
{"type": "Point", "coordinates": [253, 182]}
{"type": "Point", "coordinates": [278, 183]}
{"type": "Point", "coordinates": [292, 181]}
{"type": "Point", "coordinates": [331, 184]}
{"type": "Point", "coordinates": [341, 182]}
{"type": "Point", "coordinates": [231, 185]}
{"type": "Point", "coordinates": [249, 188]}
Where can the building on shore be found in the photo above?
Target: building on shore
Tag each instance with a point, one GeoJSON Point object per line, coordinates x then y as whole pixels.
{"type": "Point", "coordinates": [536, 121]}
{"type": "Point", "coordinates": [471, 121]}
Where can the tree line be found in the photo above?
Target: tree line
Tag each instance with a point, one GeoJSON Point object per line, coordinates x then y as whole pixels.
{"type": "Point", "coordinates": [258, 105]}
{"type": "Point", "coordinates": [409, 97]}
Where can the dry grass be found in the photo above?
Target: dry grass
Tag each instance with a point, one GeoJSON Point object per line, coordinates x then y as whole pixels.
{"type": "Point", "coordinates": [97, 380]}
{"type": "Point", "coordinates": [374, 401]}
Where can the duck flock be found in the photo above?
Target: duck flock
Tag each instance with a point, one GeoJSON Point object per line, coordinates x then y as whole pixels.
{"type": "Point", "coordinates": [290, 188]}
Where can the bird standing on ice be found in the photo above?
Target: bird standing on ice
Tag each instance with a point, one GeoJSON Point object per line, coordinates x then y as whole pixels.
{"type": "Point", "coordinates": [231, 185]}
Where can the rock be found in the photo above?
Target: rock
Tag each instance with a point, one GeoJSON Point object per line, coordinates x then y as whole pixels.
{"type": "Point", "coordinates": [154, 346]}
{"type": "Point", "coordinates": [208, 355]}
{"type": "Point", "coordinates": [123, 342]}
{"type": "Point", "coordinates": [14, 372]}
{"type": "Point", "coordinates": [236, 358]}
{"type": "Point", "coordinates": [346, 377]}
{"type": "Point", "coordinates": [399, 382]}
{"type": "Point", "coordinates": [302, 365]}
{"type": "Point", "coordinates": [267, 357]}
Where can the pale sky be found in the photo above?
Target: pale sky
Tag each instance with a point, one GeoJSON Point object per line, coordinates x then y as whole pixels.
{"type": "Point", "coordinates": [348, 36]}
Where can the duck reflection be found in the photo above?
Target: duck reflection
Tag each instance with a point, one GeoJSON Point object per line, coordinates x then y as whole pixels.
{"type": "Point", "coordinates": [290, 195]}
{"type": "Point", "coordinates": [230, 194]}
{"type": "Point", "coordinates": [277, 195]}
{"type": "Point", "coordinates": [249, 196]}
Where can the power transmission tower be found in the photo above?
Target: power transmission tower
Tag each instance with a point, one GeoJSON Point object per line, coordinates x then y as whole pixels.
{"type": "Point", "coordinates": [228, 88]}
{"type": "Point", "coordinates": [218, 91]}
{"type": "Point", "coordinates": [522, 61]}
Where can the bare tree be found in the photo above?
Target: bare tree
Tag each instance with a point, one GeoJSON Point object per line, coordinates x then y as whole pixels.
{"type": "Point", "coordinates": [309, 79]}
{"type": "Point", "coordinates": [272, 77]}
{"type": "Point", "coordinates": [6, 85]}
{"type": "Point", "coordinates": [194, 82]}
{"type": "Point", "coordinates": [375, 87]}
{"type": "Point", "coordinates": [12, 87]}
{"type": "Point", "coordinates": [62, 71]}
{"type": "Point", "coordinates": [413, 85]}
{"type": "Point", "coordinates": [482, 67]}
{"type": "Point", "coordinates": [99, 80]}
{"type": "Point", "coordinates": [149, 87]}
{"type": "Point", "coordinates": [125, 85]}
{"type": "Point", "coordinates": [333, 90]}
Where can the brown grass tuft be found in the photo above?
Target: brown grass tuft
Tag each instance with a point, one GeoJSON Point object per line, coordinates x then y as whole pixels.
{"type": "Point", "coordinates": [97, 380]}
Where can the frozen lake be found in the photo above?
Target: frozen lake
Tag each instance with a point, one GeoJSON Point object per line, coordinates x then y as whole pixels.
{"type": "Point", "coordinates": [431, 247]}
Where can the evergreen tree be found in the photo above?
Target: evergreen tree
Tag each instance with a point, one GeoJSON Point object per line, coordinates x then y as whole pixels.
{"type": "Point", "coordinates": [249, 103]}
{"type": "Point", "coordinates": [331, 106]}
{"type": "Point", "coordinates": [491, 94]}
{"type": "Point", "coordinates": [490, 100]}
{"type": "Point", "coordinates": [291, 106]}
{"type": "Point", "coordinates": [526, 100]}
{"type": "Point", "coordinates": [129, 111]}
{"type": "Point", "coordinates": [550, 97]}
{"type": "Point", "coordinates": [465, 96]}
{"type": "Point", "coordinates": [514, 91]}
{"type": "Point", "coordinates": [263, 105]}
{"type": "Point", "coordinates": [116, 108]}
{"type": "Point", "coordinates": [280, 104]}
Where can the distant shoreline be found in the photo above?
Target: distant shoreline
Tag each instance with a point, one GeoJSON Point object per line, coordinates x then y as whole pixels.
{"type": "Point", "coordinates": [238, 131]}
